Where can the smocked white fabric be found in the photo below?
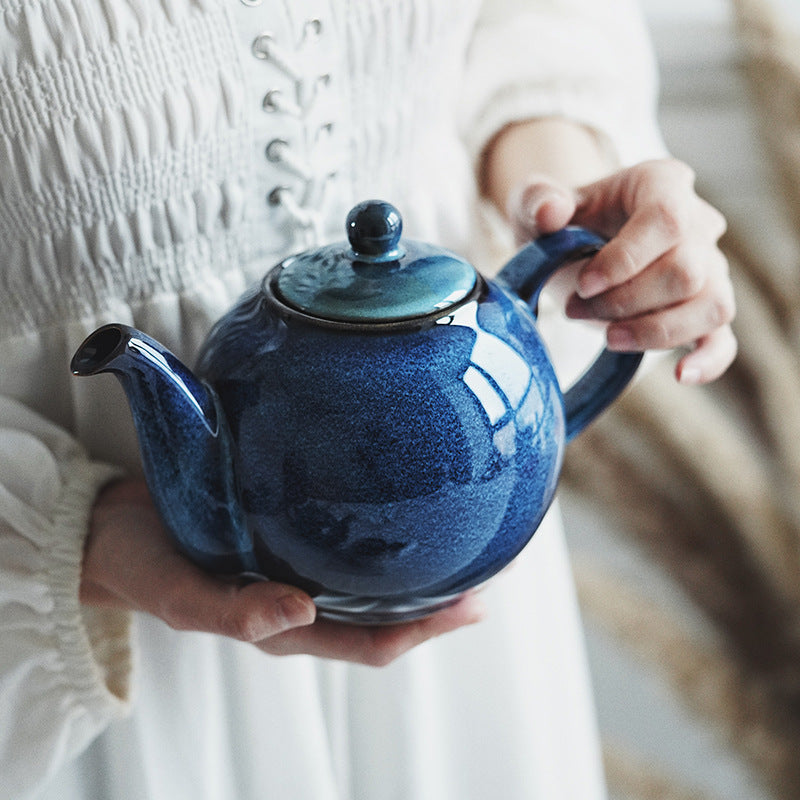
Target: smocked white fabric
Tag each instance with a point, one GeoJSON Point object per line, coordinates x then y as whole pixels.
{"type": "Point", "coordinates": [155, 157]}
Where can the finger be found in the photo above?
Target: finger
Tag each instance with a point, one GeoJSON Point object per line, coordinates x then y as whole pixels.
{"type": "Point", "coordinates": [540, 206]}
{"type": "Point", "coordinates": [608, 203]}
{"type": "Point", "coordinates": [131, 562]}
{"type": "Point", "coordinates": [650, 232]}
{"type": "Point", "coordinates": [373, 645]}
{"type": "Point", "coordinates": [645, 212]}
{"type": "Point", "coordinates": [675, 278]}
{"type": "Point", "coordinates": [710, 358]}
{"type": "Point", "coordinates": [197, 601]}
{"type": "Point", "coordinates": [161, 581]}
{"type": "Point", "coordinates": [677, 326]}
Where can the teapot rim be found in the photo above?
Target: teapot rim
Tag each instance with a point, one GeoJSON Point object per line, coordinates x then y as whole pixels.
{"type": "Point", "coordinates": [270, 291]}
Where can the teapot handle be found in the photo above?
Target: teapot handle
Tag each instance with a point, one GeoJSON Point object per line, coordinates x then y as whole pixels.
{"type": "Point", "coordinates": [526, 274]}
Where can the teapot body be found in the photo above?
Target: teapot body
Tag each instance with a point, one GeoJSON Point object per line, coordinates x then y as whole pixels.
{"type": "Point", "coordinates": [374, 423]}
{"type": "Point", "coordinates": [387, 469]}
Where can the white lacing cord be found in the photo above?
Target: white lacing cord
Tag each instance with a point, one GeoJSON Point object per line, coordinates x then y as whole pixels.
{"type": "Point", "coordinates": [305, 219]}
{"type": "Point", "coordinates": [316, 181]}
{"type": "Point", "coordinates": [276, 100]}
{"type": "Point", "coordinates": [267, 49]}
{"type": "Point", "coordinates": [278, 151]}
{"type": "Point", "coordinates": [309, 88]}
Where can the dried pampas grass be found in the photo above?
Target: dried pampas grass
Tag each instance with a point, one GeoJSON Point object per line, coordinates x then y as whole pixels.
{"type": "Point", "coordinates": [707, 483]}
{"type": "Point", "coordinates": [635, 779]}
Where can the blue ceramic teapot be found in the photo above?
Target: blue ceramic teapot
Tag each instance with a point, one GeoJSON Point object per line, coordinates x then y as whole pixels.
{"type": "Point", "coordinates": [375, 422]}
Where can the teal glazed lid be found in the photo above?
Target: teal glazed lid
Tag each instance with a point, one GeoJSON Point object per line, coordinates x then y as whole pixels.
{"type": "Point", "coordinates": [375, 276]}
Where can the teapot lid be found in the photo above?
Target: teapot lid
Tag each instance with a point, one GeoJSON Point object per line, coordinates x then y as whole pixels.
{"type": "Point", "coordinates": [374, 277]}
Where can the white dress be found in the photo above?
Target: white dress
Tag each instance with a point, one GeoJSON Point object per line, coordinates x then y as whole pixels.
{"type": "Point", "coordinates": [155, 157]}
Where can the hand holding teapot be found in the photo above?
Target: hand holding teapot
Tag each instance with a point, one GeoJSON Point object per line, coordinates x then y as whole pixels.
{"type": "Point", "coordinates": [662, 282]}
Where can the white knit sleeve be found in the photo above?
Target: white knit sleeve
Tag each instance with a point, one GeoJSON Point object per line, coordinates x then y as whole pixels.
{"type": "Point", "coordinates": [64, 669]}
{"type": "Point", "coordinates": [582, 60]}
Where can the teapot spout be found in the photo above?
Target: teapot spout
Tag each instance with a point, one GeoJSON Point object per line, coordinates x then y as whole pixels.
{"type": "Point", "coordinates": [184, 442]}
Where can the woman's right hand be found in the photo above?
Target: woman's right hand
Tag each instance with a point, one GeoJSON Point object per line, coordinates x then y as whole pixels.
{"type": "Point", "coordinates": [130, 562]}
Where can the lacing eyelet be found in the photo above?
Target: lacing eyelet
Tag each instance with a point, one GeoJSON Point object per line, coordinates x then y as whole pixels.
{"type": "Point", "coordinates": [312, 27]}
{"type": "Point", "coordinates": [276, 101]}
{"type": "Point", "coordinates": [303, 209]}
{"type": "Point", "coordinates": [270, 101]}
{"type": "Point", "coordinates": [261, 45]}
{"type": "Point", "coordinates": [325, 129]}
{"type": "Point", "coordinates": [275, 149]}
{"type": "Point", "coordinates": [275, 197]}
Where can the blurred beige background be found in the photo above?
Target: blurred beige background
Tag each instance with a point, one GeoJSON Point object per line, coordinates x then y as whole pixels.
{"type": "Point", "coordinates": [682, 505]}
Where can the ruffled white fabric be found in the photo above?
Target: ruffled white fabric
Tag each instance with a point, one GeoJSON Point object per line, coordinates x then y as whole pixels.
{"type": "Point", "coordinates": [61, 680]}
{"type": "Point", "coordinates": [137, 184]}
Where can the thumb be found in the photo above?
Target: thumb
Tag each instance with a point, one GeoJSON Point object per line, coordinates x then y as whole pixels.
{"type": "Point", "coordinates": [538, 206]}
{"type": "Point", "coordinates": [249, 612]}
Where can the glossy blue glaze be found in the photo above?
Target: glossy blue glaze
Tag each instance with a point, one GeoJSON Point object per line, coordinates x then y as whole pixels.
{"type": "Point", "coordinates": [184, 443]}
{"type": "Point", "coordinates": [526, 274]}
{"type": "Point", "coordinates": [384, 463]}
{"type": "Point", "coordinates": [374, 277]}
{"type": "Point", "coordinates": [388, 470]}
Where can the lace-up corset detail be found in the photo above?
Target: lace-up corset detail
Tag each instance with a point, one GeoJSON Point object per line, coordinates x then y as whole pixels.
{"type": "Point", "coordinates": [293, 75]}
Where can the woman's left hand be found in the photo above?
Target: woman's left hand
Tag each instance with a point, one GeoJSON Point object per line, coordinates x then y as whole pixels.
{"type": "Point", "coordinates": [661, 282]}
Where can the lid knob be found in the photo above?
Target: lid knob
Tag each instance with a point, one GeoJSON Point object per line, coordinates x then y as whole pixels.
{"type": "Point", "coordinates": [373, 229]}
{"type": "Point", "coordinates": [375, 277]}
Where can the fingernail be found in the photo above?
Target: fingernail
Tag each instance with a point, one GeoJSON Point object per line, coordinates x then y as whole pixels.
{"type": "Point", "coordinates": [591, 284]}
{"type": "Point", "coordinates": [297, 610]}
{"type": "Point", "coordinates": [620, 339]}
{"type": "Point", "coordinates": [690, 376]}
{"type": "Point", "coordinates": [542, 208]}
